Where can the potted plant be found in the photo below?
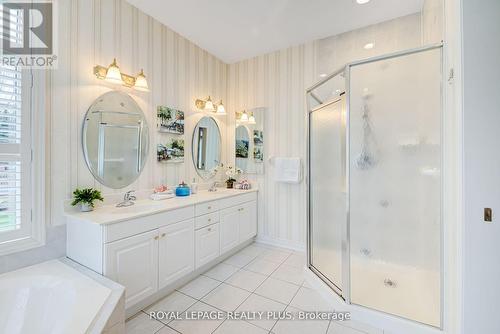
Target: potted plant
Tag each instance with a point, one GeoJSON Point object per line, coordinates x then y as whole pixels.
{"type": "Point", "coordinates": [231, 173]}
{"type": "Point", "coordinates": [86, 197]}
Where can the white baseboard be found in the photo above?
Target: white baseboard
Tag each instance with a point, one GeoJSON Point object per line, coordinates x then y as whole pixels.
{"type": "Point", "coordinates": [289, 244]}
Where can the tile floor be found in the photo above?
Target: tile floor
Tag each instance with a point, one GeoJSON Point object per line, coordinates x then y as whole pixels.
{"type": "Point", "coordinates": [258, 278]}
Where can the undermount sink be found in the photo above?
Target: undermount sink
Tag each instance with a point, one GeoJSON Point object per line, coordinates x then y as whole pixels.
{"type": "Point", "coordinates": [138, 207]}
{"type": "Point", "coordinates": [219, 191]}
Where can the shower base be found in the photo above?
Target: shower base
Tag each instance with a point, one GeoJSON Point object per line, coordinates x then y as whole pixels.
{"type": "Point", "coordinates": [405, 291]}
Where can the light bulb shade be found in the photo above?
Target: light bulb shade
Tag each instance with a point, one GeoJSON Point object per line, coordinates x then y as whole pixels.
{"type": "Point", "coordinates": [251, 119]}
{"type": "Point", "coordinates": [244, 117]}
{"type": "Point", "coordinates": [209, 105]}
{"type": "Point", "coordinates": [113, 73]}
{"type": "Point", "coordinates": [141, 83]}
{"type": "Point", "coordinates": [220, 109]}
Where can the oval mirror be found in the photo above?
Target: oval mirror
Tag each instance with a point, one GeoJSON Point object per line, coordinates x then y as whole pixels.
{"type": "Point", "coordinates": [115, 139]}
{"type": "Point", "coordinates": [206, 147]}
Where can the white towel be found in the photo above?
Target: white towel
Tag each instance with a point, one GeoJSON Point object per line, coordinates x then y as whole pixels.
{"type": "Point", "coordinates": [287, 170]}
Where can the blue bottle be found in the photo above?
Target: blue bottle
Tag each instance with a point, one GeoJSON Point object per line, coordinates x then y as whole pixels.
{"type": "Point", "coordinates": [182, 190]}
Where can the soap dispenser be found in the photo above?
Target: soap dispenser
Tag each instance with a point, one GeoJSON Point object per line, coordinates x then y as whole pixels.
{"type": "Point", "coordinates": [194, 186]}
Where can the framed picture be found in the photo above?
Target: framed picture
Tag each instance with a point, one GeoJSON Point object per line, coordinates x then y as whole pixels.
{"type": "Point", "coordinates": [258, 154]}
{"type": "Point", "coordinates": [170, 120]}
{"type": "Point", "coordinates": [173, 151]}
{"type": "Point", "coordinates": [258, 137]}
{"type": "Point", "coordinates": [242, 148]}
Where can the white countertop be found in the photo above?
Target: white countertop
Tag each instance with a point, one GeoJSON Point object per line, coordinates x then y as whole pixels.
{"type": "Point", "coordinates": [110, 214]}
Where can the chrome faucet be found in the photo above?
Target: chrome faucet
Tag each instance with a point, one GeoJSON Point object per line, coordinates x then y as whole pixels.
{"type": "Point", "coordinates": [128, 199]}
{"type": "Point", "coordinates": [213, 186]}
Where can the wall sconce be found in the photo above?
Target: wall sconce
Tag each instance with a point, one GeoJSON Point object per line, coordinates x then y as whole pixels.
{"type": "Point", "coordinates": [141, 83]}
{"type": "Point", "coordinates": [220, 109]}
{"type": "Point", "coordinates": [251, 119]}
{"type": "Point", "coordinates": [113, 74]}
{"type": "Point", "coordinates": [243, 117]}
{"type": "Point", "coordinates": [208, 105]}
{"type": "Point", "coordinates": [205, 105]}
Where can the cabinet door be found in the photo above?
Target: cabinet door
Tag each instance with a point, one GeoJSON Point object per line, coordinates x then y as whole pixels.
{"type": "Point", "coordinates": [133, 262]}
{"type": "Point", "coordinates": [207, 244]}
{"type": "Point", "coordinates": [229, 229]}
{"type": "Point", "coordinates": [175, 252]}
{"type": "Point", "coordinates": [247, 220]}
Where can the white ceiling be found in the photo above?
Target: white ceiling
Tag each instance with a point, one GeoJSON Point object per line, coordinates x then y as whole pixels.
{"type": "Point", "coordinates": [234, 30]}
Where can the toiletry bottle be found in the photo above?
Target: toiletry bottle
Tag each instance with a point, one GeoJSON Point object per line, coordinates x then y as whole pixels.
{"type": "Point", "coordinates": [182, 190]}
{"type": "Point", "coordinates": [194, 186]}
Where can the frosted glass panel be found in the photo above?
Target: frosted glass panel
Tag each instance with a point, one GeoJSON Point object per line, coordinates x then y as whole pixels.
{"type": "Point", "coordinates": [395, 185]}
{"type": "Point", "coordinates": [327, 189]}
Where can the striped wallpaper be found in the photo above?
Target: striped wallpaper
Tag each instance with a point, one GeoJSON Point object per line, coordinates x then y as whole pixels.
{"type": "Point", "coordinates": [94, 32]}
{"type": "Point", "coordinates": [277, 81]}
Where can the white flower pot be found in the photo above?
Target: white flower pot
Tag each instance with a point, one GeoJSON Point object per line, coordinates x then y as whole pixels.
{"type": "Point", "coordinates": [86, 207]}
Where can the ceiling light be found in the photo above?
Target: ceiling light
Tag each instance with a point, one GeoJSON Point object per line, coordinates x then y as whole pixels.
{"type": "Point", "coordinates": [322, 75]}
{"type": "Point", "coordinates": [113, 73]}
{"type": "Point", "coordinates": [369, 46]}
{"type": "Point", "coordinates": [141, 83]}
{"type": "Point", "coordinates": [362, 2]}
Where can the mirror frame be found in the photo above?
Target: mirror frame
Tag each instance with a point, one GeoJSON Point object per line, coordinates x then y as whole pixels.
{"type": "Point", "coordinates": [84, 142]}
{"type": "Point", "coordinates": [207, 175]}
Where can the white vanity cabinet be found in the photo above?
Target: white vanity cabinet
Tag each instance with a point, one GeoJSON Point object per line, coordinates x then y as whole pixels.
{"type": "Point", "coordinates": [207, 244]}
{"type": "Point", "coordinates": [151, 253]}
{"type": "Point", "coordinates": [133, 262]}
{"type": "Point", "coordinates": [229, 228]}
{"type": "Point", "coordinates": [175, 252]}
{"type": "Point", "coordinates": [247, 220]}
{"type": "Point", "coordinates": [237, 224]}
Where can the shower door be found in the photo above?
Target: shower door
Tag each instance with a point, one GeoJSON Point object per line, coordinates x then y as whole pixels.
{"type": "Point", "coordinates": [327, 191]}
{"type": "Point", "coordinates": [395, 184]}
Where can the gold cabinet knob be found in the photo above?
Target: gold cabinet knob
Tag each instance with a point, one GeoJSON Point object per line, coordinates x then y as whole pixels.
{"type": "Point", "coordinates": [209, 229]}
{"type": "Point", "coordinates": [209, 219]}
{"type": "Point", "coordinates": [209, 207]}
{"type": "Point", "coordinates": [157, 237]}
{"type": "Point", "coordinates": [163, 235]}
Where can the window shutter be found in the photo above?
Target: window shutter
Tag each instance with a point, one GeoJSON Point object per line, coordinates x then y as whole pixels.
{"type": "Point", "coordinates": [15, 145]}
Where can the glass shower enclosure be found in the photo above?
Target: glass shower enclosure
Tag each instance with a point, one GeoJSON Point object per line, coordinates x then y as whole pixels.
{"type": "Point", "coordinates": [374, 179]}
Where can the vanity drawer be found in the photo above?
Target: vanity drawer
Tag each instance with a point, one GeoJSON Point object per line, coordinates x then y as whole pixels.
{"type": "Point", "coordinates": [205, 220]}
{"type": "Point", "coordinates": [207, 207]}
{"type": "Point", "coordinates": [138, 225]}
{"type": "Point", "coordinates": [237, 199]}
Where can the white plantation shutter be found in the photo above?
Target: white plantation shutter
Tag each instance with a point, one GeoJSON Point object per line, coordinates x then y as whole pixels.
{"type": "Point", "coordinates": [15, 157]}
{"type": "Point", "coordinates": [15, 149]}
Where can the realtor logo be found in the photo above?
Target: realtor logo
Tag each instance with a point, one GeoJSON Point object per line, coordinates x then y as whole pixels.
{"type": "Point", "coordinates": [28, 34]}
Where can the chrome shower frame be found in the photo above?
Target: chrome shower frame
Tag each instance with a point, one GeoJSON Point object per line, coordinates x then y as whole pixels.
{"type": "Point", "coordinates": [344, 293]}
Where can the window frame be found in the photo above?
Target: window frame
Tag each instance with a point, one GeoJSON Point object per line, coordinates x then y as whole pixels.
{"type": "Point", "coordinates": [32, 157]}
